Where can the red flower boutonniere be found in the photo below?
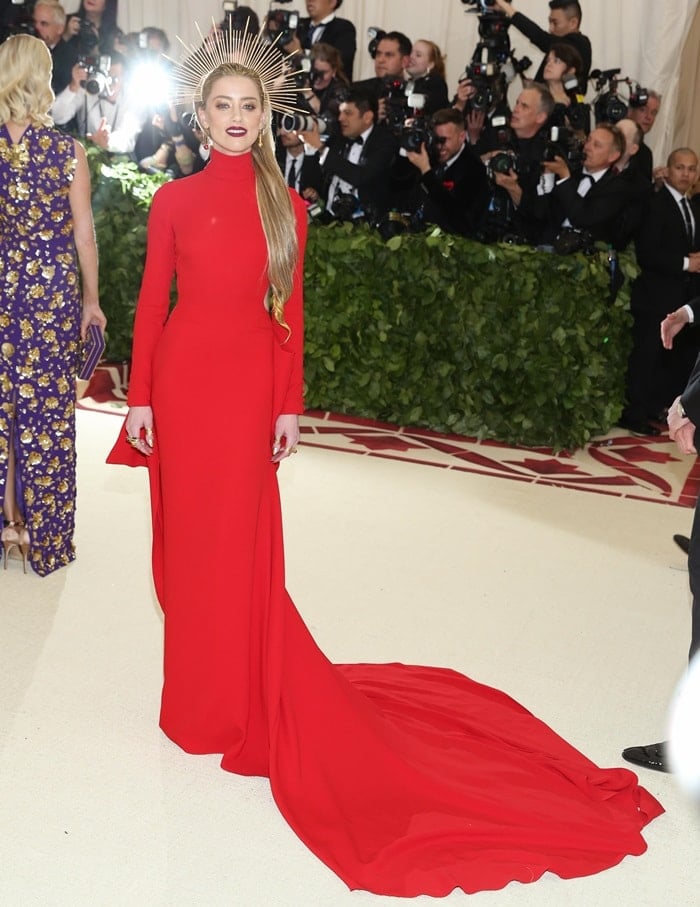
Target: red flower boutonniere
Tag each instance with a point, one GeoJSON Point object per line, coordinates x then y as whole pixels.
{"type": "Point", "coordinates": [448, 184]}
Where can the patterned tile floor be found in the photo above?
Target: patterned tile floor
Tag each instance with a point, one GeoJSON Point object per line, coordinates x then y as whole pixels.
{"type": "Point", "coordinates": [619, 464]}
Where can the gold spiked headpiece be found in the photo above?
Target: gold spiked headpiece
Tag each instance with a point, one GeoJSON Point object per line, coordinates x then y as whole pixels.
{"type": "Point", "coordinates": [229, 45]}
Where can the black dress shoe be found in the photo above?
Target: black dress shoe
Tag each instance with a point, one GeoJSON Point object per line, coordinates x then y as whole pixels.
{"type": "Point", "coordinates": [652, 756]}
{"type": "Point", "coordinates": [639, 426]}
{"type": "Point", "coordinates": [683, 543]}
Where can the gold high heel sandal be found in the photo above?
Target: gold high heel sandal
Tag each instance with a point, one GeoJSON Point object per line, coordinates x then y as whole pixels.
{"type": "Point", "coordinates": [15, 535]}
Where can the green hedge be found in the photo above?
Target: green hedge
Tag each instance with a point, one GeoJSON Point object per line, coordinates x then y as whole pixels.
{"type": "Point", "coordinates": [494, 341]}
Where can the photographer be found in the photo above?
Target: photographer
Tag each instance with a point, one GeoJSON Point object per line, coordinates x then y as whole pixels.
{"type": "Point", "coordinates": [391, 58]}
{"type": "Point", "coordinates": [426, 71]}
{"type": "Point", "coordinates": [49, 20]}
{"type": "Point", "coordinates": [590, 202]}
{"type": "Point", "coordinates": [453, 188]}
{"type": "Point", "coordinates": [103, 110]}
{"type": "Point", "coordinates": [93, 30]}
{"type": "Point", "coordinates": [323, 25]}
{"type": "Point", "coordinates": [644, 115]}
{"type": "Point", "coordinates": [564, 25]}
{"type": "Point", "coordinates": [514, 161]}
{"type": "Point", "coordinates": [357, 163]}
{"type": "Point", "coordinates": [301, 171]}
{"type": "Point", "coordinates": [330, 85]}
{"type": "Point", "coordinates": [563, 72]}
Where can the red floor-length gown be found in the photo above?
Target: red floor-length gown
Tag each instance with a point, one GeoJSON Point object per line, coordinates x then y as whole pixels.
{"type": "Point", "coordinates": [404, 780]}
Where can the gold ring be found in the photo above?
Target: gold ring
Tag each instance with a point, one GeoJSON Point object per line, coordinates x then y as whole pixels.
{"type": "Point", "coordinates": [133, 441]}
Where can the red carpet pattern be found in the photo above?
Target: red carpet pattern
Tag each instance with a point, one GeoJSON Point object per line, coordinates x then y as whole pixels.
{"type": "Point", "coordinates": [619, 464]}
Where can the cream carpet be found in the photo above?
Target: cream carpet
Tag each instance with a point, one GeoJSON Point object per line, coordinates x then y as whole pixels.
{"type": "Point", "coordinates": [576, 604]}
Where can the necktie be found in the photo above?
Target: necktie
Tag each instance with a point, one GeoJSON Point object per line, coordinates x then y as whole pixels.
{"type": "Point", "coordinates": [686, 217]}
{"type": "Point", "coordinates": [292, 175]}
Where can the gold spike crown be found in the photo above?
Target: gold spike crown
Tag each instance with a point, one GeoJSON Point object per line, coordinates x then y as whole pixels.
{"type": "Point", "coordinates": [229, 45]}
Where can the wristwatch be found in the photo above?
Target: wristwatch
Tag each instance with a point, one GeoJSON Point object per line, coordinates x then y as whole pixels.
{"type": "Point", "coordinates": [681, 410]}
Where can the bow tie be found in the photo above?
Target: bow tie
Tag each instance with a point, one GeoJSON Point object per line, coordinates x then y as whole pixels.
{"type": "Point", "coordinates": [358, 140]}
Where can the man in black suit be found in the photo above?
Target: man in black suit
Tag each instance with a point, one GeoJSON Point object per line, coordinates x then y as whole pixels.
{"type": "Point", "coordinates": [300, 171]}
{"type": "Point", "coordinates": [323, 25]}
{"type": "Point", "coordinates": [594, 199]}
{"type": "Point", "coordinates": [564, 25]}
{"type": "Point", "coordinates": [645, 117]}
{"type": "Point", "coordinates": [454, 191]}
{"type": "Point", "coordinates": [49, 20]}
{"type": "Point", "coordinates": [683, 422]}
{"type": "Point", "coordinates": [668, 253]}
{"type": "Point", "coordinates": [356, 165]}
{"type": "Point", "coordinates": [391, 59]}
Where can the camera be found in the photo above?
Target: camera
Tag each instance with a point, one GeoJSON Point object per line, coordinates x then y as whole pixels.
{"type": "Point", "coordinates": [87, 38]}
{"type": "Point", "coordinates": [281, 24]}
{"type": "Point", "coordinates": [484, 5]}
{"type": "Point", "coordinates": [562, 142]}
{"type": "Point", "coordinates": [608, 106]}
{"type": "Point", "coordinates": [502, 162]}
{"type": "Point", "coordinates": [97, 68]}
{"type": "Point", "coordinates": [638, 95]}
{"type": "Point", "coordinates": [375, 35]}
{"type": "Point", "coordinates": [493, 64]}
{"type": "Point", "coordinates": [301, 122]}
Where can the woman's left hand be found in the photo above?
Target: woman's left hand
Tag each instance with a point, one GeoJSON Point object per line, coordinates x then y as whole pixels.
{"type": "Point", "coordinates": [92, 314]}
{"type": "Point", "coordinates": [286, 436]}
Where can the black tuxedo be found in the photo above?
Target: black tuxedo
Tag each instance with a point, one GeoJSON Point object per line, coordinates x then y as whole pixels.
{"type": "Point", "coordinates": [340, 33]}
{"type": "Point", "coordinates": [311, 175]}
{"type": "Point", "coordinates": [370, 176]}
{"type": "Point", "coordinates": [455, 199]}
{"type": "Point", "coordinates": [690, 399]}
{"type": "Point", "coordinates": [599, 211]}
{"type": "Point", "coordinates": [656, 376]}
{"type": "Point", "coordinates": [544, 40]}
{"type": "Point", "coordinates": [644, 161]}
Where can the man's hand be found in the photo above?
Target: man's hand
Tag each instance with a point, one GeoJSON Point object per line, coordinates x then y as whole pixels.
{"type": "Point", "coordinates": [558, 167]}
{"type": "Point", "coordinates": [681, 429]}
{"type": "Point", "coordinates": [311, 137]}
{"type": "Point", "coordinates": [101, 135]}
{"type": "Point", "coordinates": [671, 325]}
{"type": "Point", "coordinates": [420, 159]}
{"type": "Point", "coordinates": [465, 90]}
{"type": "Point", "coordinates": [694, 263]}
{"type": "Point", "coordinates": [505, 7]}
{"type": "Point", "coordinates": [475, 125]}
{"type": "Point", "coordinates": [509, 182]}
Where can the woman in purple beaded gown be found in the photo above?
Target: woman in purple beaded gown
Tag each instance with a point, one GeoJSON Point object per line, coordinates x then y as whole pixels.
{"type": "Point", "coordinates": [47, 244]}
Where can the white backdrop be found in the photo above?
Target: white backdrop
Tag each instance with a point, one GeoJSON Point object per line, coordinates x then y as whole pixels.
{"type": "Point", "coordinates": [643, 37]}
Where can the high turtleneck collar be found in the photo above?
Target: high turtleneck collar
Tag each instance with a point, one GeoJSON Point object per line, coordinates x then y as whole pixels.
{"type": "Point", "coordinates": [230, 167]}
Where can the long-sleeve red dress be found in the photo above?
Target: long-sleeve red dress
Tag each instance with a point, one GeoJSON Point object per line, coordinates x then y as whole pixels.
{"type": "Point", "coordinates": [404, 780]}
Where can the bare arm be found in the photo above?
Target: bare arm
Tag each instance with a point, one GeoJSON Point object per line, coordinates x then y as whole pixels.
{"type": "Point", "coordinates": [85, 243]}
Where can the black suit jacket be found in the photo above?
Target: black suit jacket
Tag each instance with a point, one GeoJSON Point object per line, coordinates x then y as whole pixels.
{"type": "Point", "coordinates": [662, 243]}
{"type": "Point", "coordinates": [311, 175]}
{"type": "Point", "coordinates": [600, 211]}
{"type": "Point", "coordinates": [544, 40]}
{"type": "Point", "coordinates": [456, 199]}
{"type": "Point", "coordinates": [340, 33]}
{"type": "Point", "coordinates": [370, 176]}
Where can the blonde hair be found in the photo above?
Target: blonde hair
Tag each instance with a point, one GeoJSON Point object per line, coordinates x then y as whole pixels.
{"type": "Point", "coordinates": [25, 81]}
{"type": "Point", "coordinates": [274, 203]}
{"type": "Point", "coordinates": [437, 60]}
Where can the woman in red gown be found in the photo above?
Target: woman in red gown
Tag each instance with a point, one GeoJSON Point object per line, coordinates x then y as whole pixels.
{"type": "Point", "coordinates": [404, 780]}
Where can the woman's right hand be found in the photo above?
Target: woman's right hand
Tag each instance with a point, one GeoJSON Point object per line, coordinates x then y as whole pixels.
{"type": "Point", "coordinates": [139, 429]}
